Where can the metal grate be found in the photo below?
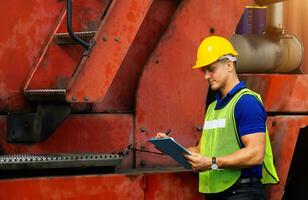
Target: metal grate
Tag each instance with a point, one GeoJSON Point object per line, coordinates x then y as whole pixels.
{"type": "Point", "coordinates": [26, 161]}
{"type": "Point", "coordinates": [45, 94]}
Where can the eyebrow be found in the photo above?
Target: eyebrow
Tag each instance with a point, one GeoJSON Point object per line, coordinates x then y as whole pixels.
{"type": "Point", "coordinates": [203, 69]}
{"type": "Point", "coordinates": [211, 68]}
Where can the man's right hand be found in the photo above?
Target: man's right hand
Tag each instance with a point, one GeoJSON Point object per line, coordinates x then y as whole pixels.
{"type": "Point", "coordinates": [161, 135]}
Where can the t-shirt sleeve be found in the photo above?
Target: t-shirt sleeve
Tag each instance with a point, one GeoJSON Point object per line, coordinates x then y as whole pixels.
{"type": "Point", "coordinates": [250, 115]}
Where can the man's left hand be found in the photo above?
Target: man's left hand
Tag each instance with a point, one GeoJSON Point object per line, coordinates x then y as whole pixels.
{"type": "Point", "coordinates": [198, 162]}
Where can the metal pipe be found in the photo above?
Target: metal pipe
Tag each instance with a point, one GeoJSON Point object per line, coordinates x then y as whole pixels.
{"type": "Point", "coordinates": [262, 54]}
{"type": "Point", "coordinates": [267, 2]}
{"type": "Point", "coordinates": [253, 21]}
{"type": "Point", "coordinates": [274, 16]}
{"type": "Point", "coordinates": [69, 26]}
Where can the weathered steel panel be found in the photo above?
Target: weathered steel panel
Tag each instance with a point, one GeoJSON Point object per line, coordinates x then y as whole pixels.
{"type": "Point", "coordinates": [280, 93]}
{"type": "Point", "coordinates": [137, 186]}
{"type": "Point", "coordinates": [171, 94]}
{"type": "Point", "coordinates": [25, 32]}
{"type": "Point", "coordinates": [181, 185]}
{"type": "Point", "coordinates": [284, 132]}
{"type": "Point", "coordinates": [96, 133]}
{"type": "Point", "coordinates": [74, 187]}
{"type": "Point", "coordinates": [122, 93]}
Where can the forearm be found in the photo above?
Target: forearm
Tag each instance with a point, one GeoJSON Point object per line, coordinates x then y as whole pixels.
{"type": "Point", "coordinates": [242, 158]}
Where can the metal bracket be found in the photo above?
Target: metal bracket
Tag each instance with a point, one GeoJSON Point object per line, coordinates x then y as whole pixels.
{"type": "Point", "coordinates": [35, 127]}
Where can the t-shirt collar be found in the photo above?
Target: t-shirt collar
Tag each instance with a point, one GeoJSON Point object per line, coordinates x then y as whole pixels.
{"type": "Point", "coordinates": [221, 102]}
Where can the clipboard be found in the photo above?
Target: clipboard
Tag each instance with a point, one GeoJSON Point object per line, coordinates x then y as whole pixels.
{"type": "Point", "coordinates": [173, 149]}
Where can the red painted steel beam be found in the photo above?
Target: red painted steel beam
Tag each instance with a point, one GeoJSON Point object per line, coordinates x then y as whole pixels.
{"type": "Point", "coordinates": [97, 133]}
{"type": "Point", "coordinates": [284, 131]}
{"type": "Point", "coordinates": [113, 40]}
{"type": "Point", "coordinates": [171, 94]}
{"type": "Point", "coordinates": [122, 93]}
{"type": "Point", "coordinates": [280, 93]}
{"type": "Point", "coordinates": [137, 186]}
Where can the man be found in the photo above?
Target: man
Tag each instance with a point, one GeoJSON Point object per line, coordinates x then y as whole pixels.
{"type": "Point", "coordinates": [234, 153]}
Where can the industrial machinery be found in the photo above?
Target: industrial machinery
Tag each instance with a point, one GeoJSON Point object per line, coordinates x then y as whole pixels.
{"type": "Point", "coordinates": [85, 83]}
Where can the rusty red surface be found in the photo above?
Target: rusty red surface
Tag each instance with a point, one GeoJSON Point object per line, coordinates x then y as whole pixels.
{"type": "Point", "coordinates": [181, 185]}
{"type": "Point", "coordinates": [122, 92]}
{"type": "Point", "coordinates": [171, 94]}
{"type": "Point", "coordinates": [284, 132]}
{"type": "Point", "coordinates": [113, 39]}
{"type": "Point", "coordinates": [136, 186]}
{"type": "Point", "coordinates": [280, 93]}
{"type": "Point", "coordinates": [57, 64]}
{"type": "Point", "coordinates": [75, 187]}
{"type": "Point", "coordinates": [27, 28]}
{"type": "Point", "coordinates": [87, 15]}
{"type": "Point", "coordinates": [101, 133]}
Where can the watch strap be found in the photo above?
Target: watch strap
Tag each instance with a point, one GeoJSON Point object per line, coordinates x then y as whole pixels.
{"type": "Point", "coordinates": [214, 160]}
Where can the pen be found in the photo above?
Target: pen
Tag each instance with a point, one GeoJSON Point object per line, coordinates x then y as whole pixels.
{"type": "Point", "coordinates": [168, 132]}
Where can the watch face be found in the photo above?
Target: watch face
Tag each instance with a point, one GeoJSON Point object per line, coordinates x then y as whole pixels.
{"type": "Point", "coordinates": [214, 166]}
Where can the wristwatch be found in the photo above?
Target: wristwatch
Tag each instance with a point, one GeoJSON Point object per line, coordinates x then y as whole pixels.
{"type": "Point", "coordinates": [214, 165]}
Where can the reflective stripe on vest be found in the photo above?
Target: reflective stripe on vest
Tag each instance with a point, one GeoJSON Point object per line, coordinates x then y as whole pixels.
{"type": "Point", "coordinates": [220, 138]}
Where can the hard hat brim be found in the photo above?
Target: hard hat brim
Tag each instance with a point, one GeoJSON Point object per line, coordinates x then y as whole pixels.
{"type": "Point", "coordinates": [198, 66]}
{"type": "Point", "coordinates": [203, 64]}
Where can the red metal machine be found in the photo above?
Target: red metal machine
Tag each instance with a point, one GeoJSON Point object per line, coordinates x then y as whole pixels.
{"type": "Point", "coordinates": [68, 105]}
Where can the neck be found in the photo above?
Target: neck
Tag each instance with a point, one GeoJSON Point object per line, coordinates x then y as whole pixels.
{"type": "Point", "coordinates": [229, 86]}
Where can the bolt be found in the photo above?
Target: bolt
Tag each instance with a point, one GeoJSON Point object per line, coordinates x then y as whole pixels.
{"type": "Point", "coordinates": [105, 38]}
{"type": "Point", "coordinates": [86, 98]}
{"type": "Point", "coordinates": [117, 38]}
{"type": "Point", "coordinates": [143, 130]}
{"type": "Point", "coordinates": [74, 98]}
{"type": "Point", "coordinates": [142, 163]}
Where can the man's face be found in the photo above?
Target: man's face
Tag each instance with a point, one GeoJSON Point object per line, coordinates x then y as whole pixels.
{"type": "Point", "coordinates": [216, 74]}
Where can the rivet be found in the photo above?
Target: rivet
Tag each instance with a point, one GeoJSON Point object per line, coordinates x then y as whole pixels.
{"type": "Point", "coordinates": [86, 98]}
{"type": "Point", "coordinates": [74, 98]}
{"type": "Point", "coordinates": [117, 38]}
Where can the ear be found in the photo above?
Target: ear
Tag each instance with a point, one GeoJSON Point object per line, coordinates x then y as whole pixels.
{"type": "Point", "coordinates": [230, 66]}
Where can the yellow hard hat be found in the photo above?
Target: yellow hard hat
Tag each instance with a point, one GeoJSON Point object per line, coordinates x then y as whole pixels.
{"type": "Point", "coordinates": [212, 49]}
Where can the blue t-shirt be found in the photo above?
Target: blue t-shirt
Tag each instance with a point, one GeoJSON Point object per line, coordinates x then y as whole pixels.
{"type": "Point", "coordinates": [250, 117]}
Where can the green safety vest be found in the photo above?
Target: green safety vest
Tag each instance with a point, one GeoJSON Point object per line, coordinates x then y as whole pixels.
{"type": "Point", "coordinates": [220, 138]}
